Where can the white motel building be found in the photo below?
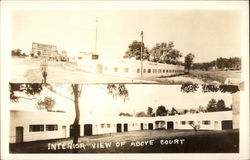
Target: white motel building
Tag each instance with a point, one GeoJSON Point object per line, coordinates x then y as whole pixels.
{"type": "Point", "coordinates": [126, 67]}
{"type": "Point", "coordinates": [28, 126]}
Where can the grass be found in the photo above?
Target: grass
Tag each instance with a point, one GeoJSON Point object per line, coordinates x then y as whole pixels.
{"type": "Point", "coordinates": [226, 141]}
{"type": "Point", "coordinates": [214, 75]}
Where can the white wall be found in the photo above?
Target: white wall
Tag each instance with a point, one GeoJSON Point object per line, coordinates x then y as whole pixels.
{"type": "Point", "coordinates": [131, 68]}
{"type": "Point", "coordinates": [26, 118]}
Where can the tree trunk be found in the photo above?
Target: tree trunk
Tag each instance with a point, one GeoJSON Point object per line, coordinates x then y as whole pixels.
{"type": "Point", "coordinates": [76, 122]}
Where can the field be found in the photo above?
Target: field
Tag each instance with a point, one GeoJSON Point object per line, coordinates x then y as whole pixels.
{"type": "Point", "coordinates": [215, 75]}
{"type": "Point", "coordinates": [145, 141]}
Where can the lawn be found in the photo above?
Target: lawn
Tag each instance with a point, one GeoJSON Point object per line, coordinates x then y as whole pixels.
{"type": "Point", "coordinates": [146, 141]}
{"type": "Point", "coordinates": [214, 75]}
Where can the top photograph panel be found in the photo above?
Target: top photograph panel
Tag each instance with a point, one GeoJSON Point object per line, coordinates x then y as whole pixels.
{"type": "Point", "coordinates": [126, 46]}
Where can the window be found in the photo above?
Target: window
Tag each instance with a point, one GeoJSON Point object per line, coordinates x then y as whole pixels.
{"type": "Point", "coordinates": [183, 122]}
{"type": "Point", "coordinates": [51, 127]}
{"type": "Point", "coordinates": [159, 71]}
{"type": "Point", "coordinates": [79, 57]}
{"type": "Point", "coordinates": [115, 69]}
{"type": "Point", "coordinates": [102, 125]}
{"type": "Point", "coordinates": [163, 70]}
{"type": "Point", "coordinates": [190, 122]}
{"type": "Point", "coordinates": [166, 71]}
{"type": "Point", "coordinates": [206, 122]}
{"type": "Point", "coordinates": [138, 70]}
{"type": "Point", "coordinates": [125, 69]}
{"type": "Point", "coordinates": [144, 70]}
{"type": "Point", "coordinates": [36, 128]}
{"type": "Point", "coordinates": [149, 70]}
{"type": "Point", "coordinates": [108, 125]}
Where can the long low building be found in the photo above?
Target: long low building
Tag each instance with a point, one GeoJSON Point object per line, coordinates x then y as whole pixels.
{"type": "Point", "coordinates": [40, 125]}
{"type": "Point", "coordinates": [129, 68]}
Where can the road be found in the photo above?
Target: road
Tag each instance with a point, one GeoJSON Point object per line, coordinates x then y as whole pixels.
{"type": "Point", "coordinates": [27, 71]}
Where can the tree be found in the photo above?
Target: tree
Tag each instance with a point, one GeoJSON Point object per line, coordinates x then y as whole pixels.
{"type": "Point", "coordinates": [188, 61]}
{"type": "Point", "coordinates": [221, 63]}
{"type": "Point", "coordinates": [212, 105]}
{"type": "Point", "coordinates": [47, 103]}
{"type": "Point", "coordinates": [185, 111]}
{"type": "Point", "coordinates": [16, 52]}
{"type": "Point", "coordinates": [164, 53]}
{"type": "Point", "coordinates": [141, 114]}
{"type": "Point", "coordinates": [134, 51]}
{"type": "Point", "coordinates": [125, 114]}
{"type": "Point", "coordinates": [221, 105]}
{"type": "Point", "coordinates": [173, 111]}
{"type": "Point", "coordinates": [149, 111]}
{"type": "Point", "coordinates": [27, 88]}
{"type": "Point", "coordinates": [161, 111]}
{"type": "Point", "coordinates": [189, 87]}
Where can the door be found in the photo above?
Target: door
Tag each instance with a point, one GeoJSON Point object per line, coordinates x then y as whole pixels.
{"type": "Point", "coordinates": [125, 127]}
{"type": "Point", "coordinates": [119, 127]}
{"type": "Point", "coordinates": [72, 130]}
{"type": "Point", "coordinates": [88, 130]}
{"type": "Point", "coordinates": [141, 126]}
{"type": "Point", "coordinates": [150, 126]}
{"type": "Point", "coordinates": [64, 133]}
{"type": "Point", "coordinates": [19, 134]}
{"type": "Point", "coordinates": [226, 125]}
{"type": "Point", "coordinates": [170, 125]}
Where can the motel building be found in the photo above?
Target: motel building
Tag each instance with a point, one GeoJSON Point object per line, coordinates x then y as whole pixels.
{"type": "Point", "coordinates": [90, 62]}
{"type": "Point", "coordinates": [28, 126]}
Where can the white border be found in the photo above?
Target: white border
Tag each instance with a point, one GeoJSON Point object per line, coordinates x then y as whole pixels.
{"type": "Point", "coordinates": [8, 6]}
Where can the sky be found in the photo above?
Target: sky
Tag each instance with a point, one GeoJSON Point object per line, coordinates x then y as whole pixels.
{"type": "Point", "coordinates": [205, 33]}
{"type": "Point", "coordinates": [94, 99]}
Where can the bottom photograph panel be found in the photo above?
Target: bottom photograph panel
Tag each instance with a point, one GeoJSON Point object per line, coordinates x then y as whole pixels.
{"type": "Point", "coordinates": [123, 118]}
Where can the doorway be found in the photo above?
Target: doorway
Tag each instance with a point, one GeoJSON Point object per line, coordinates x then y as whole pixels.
{"type": "Point", "coordinates": [226, 124]}
{"type": "Point", "coordinates": [150, 126]}
{"type": "Point", "coordinates": [119, 127]}
{"type": "Point", "coordinates": [19, 134]}
{"type": "Point", "coordinates": [72, 130]}
{"type": "Point", "coordinates": [170, 125]}
{"type": "Point", "coordinates": [141, 126]}
{"type": "Point", "coordinates": [88, 130]}
{"type": "Point", "coordinates": [125, 127]}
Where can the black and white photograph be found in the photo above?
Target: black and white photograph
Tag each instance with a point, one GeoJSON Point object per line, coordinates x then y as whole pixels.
{"type": "Point", "coordinates": [113, 118]}
{"type": "Point", "coordinates": [126, 46]}
{"type": "Point", "coordinates": [124, 80]}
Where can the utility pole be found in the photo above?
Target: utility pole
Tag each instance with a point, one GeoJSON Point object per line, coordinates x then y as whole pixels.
{"type": "Point", "coordinates": [142, 47]}
{"type": "Point", "coordinates": [96, 35]}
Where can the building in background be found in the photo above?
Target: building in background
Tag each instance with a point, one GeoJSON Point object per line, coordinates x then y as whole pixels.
{"type": "Point", "coordinates": [47, 51]}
